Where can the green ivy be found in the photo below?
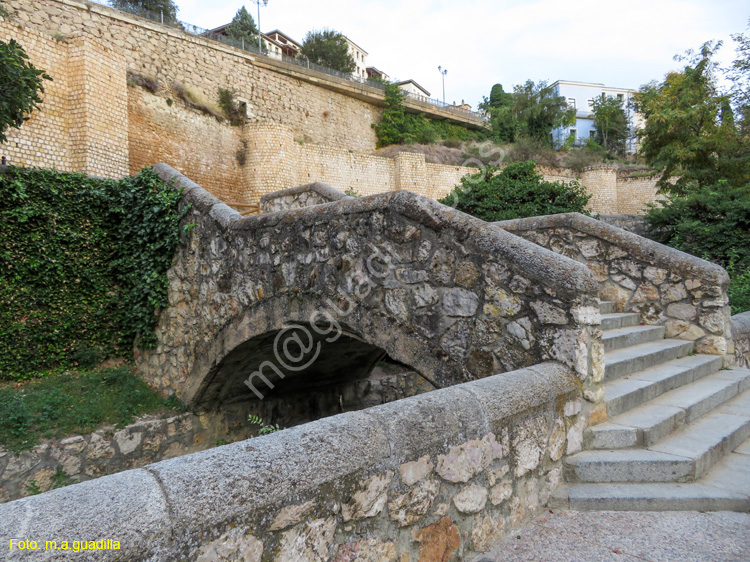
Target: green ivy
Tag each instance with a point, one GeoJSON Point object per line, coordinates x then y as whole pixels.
{"type": "Point", "coordinates": [83, 266]}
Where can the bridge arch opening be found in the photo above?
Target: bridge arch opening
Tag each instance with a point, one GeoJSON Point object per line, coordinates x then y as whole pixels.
{"type": "Point", "coordinates": [303, 372]}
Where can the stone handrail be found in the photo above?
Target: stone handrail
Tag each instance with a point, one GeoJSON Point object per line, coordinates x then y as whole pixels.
{"type": "Point", "coordinates": [666, 286]}
{"type": "Point", "coordinates": [457, 468]}
{"type": "Point", "coordinates": [299, 197]}
{"type": "Point", "coordinates": [463, 299]}
{"type": "Point", "coordinates": [741, 336]}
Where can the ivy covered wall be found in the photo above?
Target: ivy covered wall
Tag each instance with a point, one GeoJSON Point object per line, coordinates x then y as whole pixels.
{"type": "Point", "coordinates": [83, 266]}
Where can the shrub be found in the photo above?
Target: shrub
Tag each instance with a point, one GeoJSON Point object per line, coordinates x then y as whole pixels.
{"type": "Point", "coordinates": [712, 222]}
{"type": "Point", "coordinates": [517, 191]}
{"type": "Point", "coordinates": [399, 127]}
{"type": "Point", "coordinates": [231, 107]}
{"type": "Point", "coordinates": [83, 265]}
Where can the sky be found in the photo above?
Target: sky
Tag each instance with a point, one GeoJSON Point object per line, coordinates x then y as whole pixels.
{"type": "Point", "coordinates": [622, 44]}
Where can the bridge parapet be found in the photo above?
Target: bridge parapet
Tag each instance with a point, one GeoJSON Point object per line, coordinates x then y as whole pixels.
{"type": "Point", "coordinates": [299, 197]}
{"type": "Point", "coordinates": [304, 297]}
{"type": "Point", "coordinates": [686, 294]}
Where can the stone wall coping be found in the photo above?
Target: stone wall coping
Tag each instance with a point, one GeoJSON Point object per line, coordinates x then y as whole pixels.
{"type": "Point", "coordinates": [741, 326]}
{"type": "Point", "coordinates": [322, 189]}
{"type": "Point", "coordinates": [637, 246]}
{"type": "Point", "coordinates": [563, 274]}
{"type": "Point", "coordinates": [169, 507]}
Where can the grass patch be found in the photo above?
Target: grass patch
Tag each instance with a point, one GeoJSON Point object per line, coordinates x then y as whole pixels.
{"type": "Point", "coordinates": [71, 403]}
{"type": "Point", "coordinates": [196, 100]}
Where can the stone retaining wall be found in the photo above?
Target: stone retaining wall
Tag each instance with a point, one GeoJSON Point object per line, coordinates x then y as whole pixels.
{"type": "Point", "coordinates": [686, 294]}
{"type": "Point", "coordinates": [741, 336]}
{"type": "Point", "coordinates": [436, 477]}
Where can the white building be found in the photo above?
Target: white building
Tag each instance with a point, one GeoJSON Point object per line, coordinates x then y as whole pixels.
{"type": "Point", "coordinates": [580, 95]}
{"type": "Point", "coordinates": [360, 58]}
{"type": "Point", "coordinates": [413, 90]}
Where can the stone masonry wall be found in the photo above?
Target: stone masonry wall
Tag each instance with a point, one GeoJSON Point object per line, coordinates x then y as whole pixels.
{"type": "Point", "coordinates": [741, 335]}
{"type": "Point", "coordinates": [110, 450]}
{"type": "Point", "coordinates": [686, 294]}
{"type": "Point", "coordinates": [440, 476]}
{"type": "Point", "coordinates": [82, 124]}
{"type": "Point", "coordinates": [458, 299]}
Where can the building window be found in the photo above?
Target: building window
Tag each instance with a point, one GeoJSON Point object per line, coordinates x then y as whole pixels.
{"type": "Point", "coordinates": [571, 103]}
{"type": "Point", "coordinates": [574, 134]}
{"type": "Point", "coordinates": [592, 133]}
{"type": "Point", "coordinates": [620, 97]}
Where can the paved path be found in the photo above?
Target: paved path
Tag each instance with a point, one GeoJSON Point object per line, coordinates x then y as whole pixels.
{"type": "Point", "coordinates": [621, 536]}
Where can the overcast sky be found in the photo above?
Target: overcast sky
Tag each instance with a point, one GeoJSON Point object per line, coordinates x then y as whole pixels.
{"type": "Point", "coordinates": [623, 43]}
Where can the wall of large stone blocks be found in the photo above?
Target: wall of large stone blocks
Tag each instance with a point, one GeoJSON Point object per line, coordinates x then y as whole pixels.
{"type": "Point", "coordinates": [200, 147]}
{"type": "Point", "coordinates": [633, 194]}
{"type": "Point", "coordinates": [314, 113]}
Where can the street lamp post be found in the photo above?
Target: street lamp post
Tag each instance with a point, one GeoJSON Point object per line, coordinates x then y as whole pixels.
{"type": "Point", "coordinates": [443, 72]}
{"type": "Point", "coordinates": [265, 3]}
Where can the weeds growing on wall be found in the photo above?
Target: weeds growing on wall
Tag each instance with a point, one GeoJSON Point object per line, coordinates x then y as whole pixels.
{"type": "Point", "coordinates": [83, 266]}
{"type": "Point", "coordinates": [231, 107]}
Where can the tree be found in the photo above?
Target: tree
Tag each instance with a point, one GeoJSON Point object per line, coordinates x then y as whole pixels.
{"type": "Point", "coordinates": [161, 8]}
{"type": "Point", "coordinates": [243, 27]}
{"type": "Point", "coordinates": [328, 48]}
{"type": "Point", "coordinates": [518, 191]}
{"type": "Point", "coordinates": [690, 130]}
{"type": "Point", "coordinates": [611, 123]}
{"type": "Point", "coordinates": [20, 86]}
{"type": "Point", "coordinates": [539, 110]}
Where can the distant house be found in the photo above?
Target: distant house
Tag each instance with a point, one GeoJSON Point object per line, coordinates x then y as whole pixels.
{"type": "Point", "coordinates": [413, 90]}
{"type": "Point", "coordinates": [276, 42]}
{"type": "Point", "coordinates": [375, 74]}
{"type": "Point", "coordinates": [464, 106]}
{"type": "Point", "coordinates": [580, 96]}
{"type": "Point", "coordinates": [288, 46]}
{"type": "Point", "coordinates": [360, 58]}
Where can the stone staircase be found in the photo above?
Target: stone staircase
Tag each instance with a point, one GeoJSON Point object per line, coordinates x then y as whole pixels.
{"type": "Point", "coordinates": [678, 431]}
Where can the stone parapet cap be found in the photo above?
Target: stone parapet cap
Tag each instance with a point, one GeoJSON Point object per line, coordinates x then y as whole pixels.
{"type": "Point", "coordinates": [638, 247]}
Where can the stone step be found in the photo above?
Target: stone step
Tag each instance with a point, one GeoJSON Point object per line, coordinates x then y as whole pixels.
{"type": "Point", "coordinates": [630, 392]}
{"type": "Point", "coordinates": [683, 455]}
{"type": "Point", "coordinates": [646, 424]}
{"type": "Point", "coordinates": [623, 362]}
{"type": "Point", "coordinates": [726, 487]}
{"type": "Point", "coordinates": [629, 336]}
{"type": "Point", "coordinates": [620, 320]}
{"type": "Point", "coordinates": [607, 307]}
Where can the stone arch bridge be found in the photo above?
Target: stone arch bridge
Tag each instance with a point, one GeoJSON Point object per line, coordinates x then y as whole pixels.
{"type": "Point", "coordinates": [296, 299]}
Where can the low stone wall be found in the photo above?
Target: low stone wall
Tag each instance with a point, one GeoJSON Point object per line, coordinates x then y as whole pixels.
{"type": "Point", "coordinates": [110, 450]}
{"type": "Point", "coordinates": [300, 197]}
{"type": "Point", "coordinates": [741, 336]}
{"type": "Point", "coordinates": [686, 294]}
{"type": "Point", "coordinates": [435, 477]}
